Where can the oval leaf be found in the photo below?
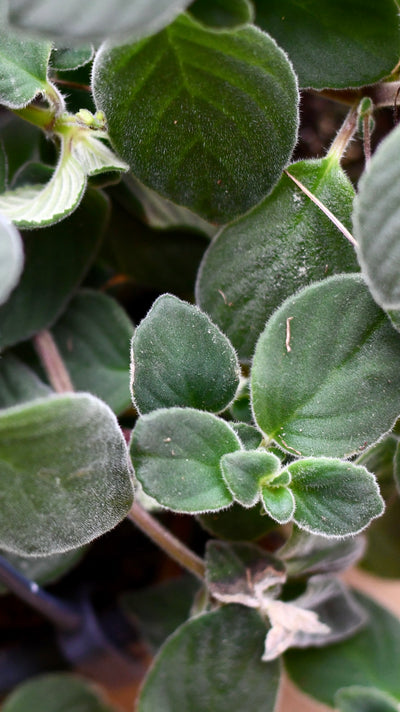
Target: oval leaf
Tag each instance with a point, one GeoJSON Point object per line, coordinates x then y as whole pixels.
{"type": "Point", "coordinates": [285, 243]}
{"type": "Point", "coordinates": [180, 358]}
{"type": "Point", "coordinates": [209, 119]}
{"type": "Point", "coordinates": [23, 69]}
{"type": "Point", "coordinates": [325, 379]}
{"type": "Point", "coordinates": [186, 674]}
{"type": "Point", "coordinates": [11, 258]}
{"type": "Point", "coordinates": [345, 43]}
{"type": "Point", "coordinates": [65, 476]}
{"type": "Point", "coordinates": [278, 503]}
{"type": "Point", "coordinates": [176, 454]}
{"type": "Point", "coordinates": [94, 20]}
{"type": "Point", "coordinates": [243, 473]}
{"type": "Point", "coordinates": [333, 498]}
{"type": "Point", "coordinates": [56, 693]}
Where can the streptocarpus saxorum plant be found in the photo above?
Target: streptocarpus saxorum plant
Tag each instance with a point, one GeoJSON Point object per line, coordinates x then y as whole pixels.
{"type": "Point", "coordinates": [259, 392]}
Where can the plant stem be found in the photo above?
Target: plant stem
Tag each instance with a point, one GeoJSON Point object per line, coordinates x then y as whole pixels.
{"type": "Point", "coordinates": [367, 138]}
{"type": "Point", "coordinates": [52, 362]}
{"type": "Point", "coordinates": [167, 541]}
{"type": "Point", "coordinates": [345, 134]}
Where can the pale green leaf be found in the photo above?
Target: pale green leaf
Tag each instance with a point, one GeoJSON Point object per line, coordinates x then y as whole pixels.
{"type": "Point", "coordinates": [365, 699]}
{"type": "Point", "coordinates": [245, 471]}
{"type": "Point", "coordinates": [345, 43]}
{"type": "Point", "coordinates": [65, 476]}
{"type": "Point", "coordinates": [56, 692]}
{"type": "Point", "coordinates": [180, 358]}
{"type": "Point", "coordinates": [325, 377]}
{"type": "Point", "coordinates": [176, 454]}
{"type": "Point", "coordinates": [208, 119]}
{"type": "Point", "coordinates": [213, 662]}
{"type": "Point", "coordinates": [285, 243]}
{"type": "Point", "coordinates": [63, 59]}
{"type": "Point", "coordinates": [11, 258]}
{"type": "Point", "coordinates": [278, 503]}
{"type": "Point", "coordinates": [23, 68]}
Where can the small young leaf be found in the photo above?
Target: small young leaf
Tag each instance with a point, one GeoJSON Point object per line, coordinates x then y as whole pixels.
{"type": "Point", "coordinates": [340, 44]}
{"type": "Point", "coordinates": [77, 238]}
{"type": "Point", "coordinates": [285, 243]}
{"type": "Point", "coordinates": [209, 119]}
{"type": "Point", "coordinates": [186, 674]}
{"type": "Point", "coordinates": [180, 358]}
{"type": "Point", "coordinates": [377, 224]}
{"type": "Point", "coordinates": [65, 476]}
{"type": "Point", "coordinates": [96, 19]}
{"type": "Point", "coordinates": [244, 471]}
{"type": "Point", "coordinates": [370, 658]}
{"type": "Point", "coordinates": [176, 454]}
{"type": "Point", "coordinates": [93, 337]}
{"type": "Point", "coordinates": [56, 693]}
{"type": "Point", "coordinates": [333, 498]}
{"type": "Point", "coordinates": [307, 554]}
{"type": "Point", "coordinates": [278, 503]}
{"type": "Point", "coordinates": [11, 258]}
{"type": "Point", "coordinates": [18, 383]}
{"type": "Point", "coordinates": [67, 58]}
{"type": "Point", "coordinates": [23, 68]}
{"type": "Point", "coordinates": [222, 13]}
{"type": "Point", "coordinates": [325, 379]}
{"type": "Point", "coordinates": [250, 437]}
{"type": "Point", "coordinates": [364, 699]}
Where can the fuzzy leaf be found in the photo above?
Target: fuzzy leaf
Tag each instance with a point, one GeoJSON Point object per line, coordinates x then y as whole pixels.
{"type": "Point", "coordinates": [222, 13]}
{"type": "Point", "coordinates": [325, 379]}
{"type": "Point", "coordinates": [243, 473]}
{"type": "Point", "coordinates": [180, 358]}
{"type": "Point", "coordinates": [377, 224]}
{"type": "Point", "coordinates": [18, 383]}
{"type": "Point", "coordinates": [306, 553]}
{"type": "Point", "coordinates": [370, 658]}
{"type": "Point", "coordinates": [77, 239]}
{"type": "Point", "coordinates": [23, 68]}
{"type": "Point", "coordinates": [249, 436]}
{"type": "Point", "coordinates": [364, 699]}
{"type": "Point", "coordinates": [285, 243]}
{"type": "Point", "coordinates": [65, 477]}
{"type": "Point", "coordinates": [95, 20]}
{"type": "Point", "coordinates": [238, 523]}
{"type": "Point", "coordinates": [345, 43]}
{"type": "Point", "coordinates": [11, 258]}
{"type": "Point", "coordinates": [176, 454]}
{"type": "Point", "coordinates": [186, 674]}
{"type": "Point", "coordinates": [208, 119]}
{"type": "Point", "coordinates": [55, 693]}
{"type": "Point", "coordinates": [67, 58]}
{"type": "Point", "coordinates": [278, 503]}
{"type": "Point", "coordinates": [333, 498]}
{"type": "Point", "coordinates": [93, 337]}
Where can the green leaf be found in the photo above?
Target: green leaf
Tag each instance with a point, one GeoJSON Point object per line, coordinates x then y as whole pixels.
{"type": "Point", "coordinates": [222, 13]}
{"type": "Point", "coordinates": [11, 258]}
{"type": "Point", "coordinates": [333, 498]}
{"type": "Point", "coordinates": [176, 454]}
{"type": "Point", "coordinates": [18, 383]}
{"type": "Point", "coordinates": [325, 379]}
{"type": "Point", "coordinates": [96, 19]}
{"type": "Point", "coordinates": [339, 44]}
{"type": "Point", "coordinates": [245, 471]}
{"type": "Point", "coordinates": [371, 658]}
{"type": "Point", "coordinates": [285, 243]}
{"type": "Point", "coordinates": [23, 68]}
{"type": "Point", "coordinates": [377, 223]}
{"type": "Point", "coordinates": [67, 58]}
{"type": "Point", "coordinates": [364, 699]}
{"type": "Point", "coordinates": [77, 239]}
{"type": "Point", "coordinates": [56, 693]}
{"type": "Point", "coordinates": [307, 554]}
{"type": "Point", "coordinates": [238, 523]}
{"type": "Point", "coordinates": [186, 674]}
{"type": "Point", "coordinates": [279, 503]}
{"type": "Point", "coordinates": [3, 168]}
{"type": "Point", "coordinates": [180, 358]}
{"type": "Point", "coordinates": [43, 569]}
{"type": "Point", "coordinates": [65, 476]}
{"type": "Point", "coordinates": [93, 337]}
{"type": "Point", "coordinates": [249, 436]}
{"type": "Point", "coordinates": [207, 119]}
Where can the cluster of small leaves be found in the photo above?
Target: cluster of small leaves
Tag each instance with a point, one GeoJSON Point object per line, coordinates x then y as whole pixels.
{"type": "Point", "coordinates": [272, 400]}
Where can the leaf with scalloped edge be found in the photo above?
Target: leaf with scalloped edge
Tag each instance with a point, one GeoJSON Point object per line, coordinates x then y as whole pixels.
{"type": "Point", "coordinates": [23, 68]}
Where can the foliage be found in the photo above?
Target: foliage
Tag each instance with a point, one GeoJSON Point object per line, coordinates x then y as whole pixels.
{"type": "Point", "coordinates": [260, 393]}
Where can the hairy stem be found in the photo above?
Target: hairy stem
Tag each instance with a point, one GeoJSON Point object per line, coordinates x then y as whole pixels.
{"type": "Point", "coordinates": [167, 541]}
{"type": "Point", "coordinates": [52, 362]}
{"type": "Point", "coordinates": [345, 134]}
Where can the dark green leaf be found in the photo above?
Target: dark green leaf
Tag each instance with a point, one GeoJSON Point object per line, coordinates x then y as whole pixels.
{"type": "Point", "coordinates": [96, 19]}
{"type": "Point", "coordinates": [377, 224]}
{"type": "Point", "coordinates": [65, 476]}
{"type": "Point", "coordinates": [93, 337]}
{"type": "Point", "coordinates": [238, 523]}
{"type": "Point", "coordinates": [364, 699]}
{"type": "Point", "coordinates": [176, 454]}
{"type": "Point", "coordinates": [77, 240]}
{"type": "Point", "coordinates": [333, 498]}
{"type": "Point", "coordinates": [11, 258]}
{"type": "Point", "coordinates": [309, 554]}
{"type": "Point", "coordinates": [222, 13]}
{"type": "Point", "coordinates": [66, 58]}
{"type": "Point", "coordinates": [334, 44]}
{"type": "Point", "coordinates": [249, 436]}
{"type": "Point", "coordinates": [244, 473]}
{"type": "Point", "coordinates": [180, 358]}
{"type": "Point", "coordinates": [3, 168]}
{"type": "Point", "coordinates": [285, 243]}
{"type": "Point", "coordinates": [213, 662]}
{"type": "Point", "coordinates": [23, 68]}
{"type": "Point", "coordinates": [18, 383]}
{"type": "Point", "coordinates": [325, 379]}
{"type": "Point", "coordinates": [207, 119]}
{"type": "Point", "coordinates": [56, 693]}
{"type": "Point", "coordinates": [43, 569]}
{"type": "Point", "coordinates": [371, 658]}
